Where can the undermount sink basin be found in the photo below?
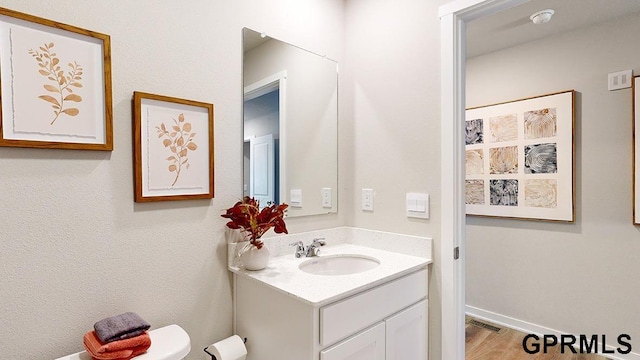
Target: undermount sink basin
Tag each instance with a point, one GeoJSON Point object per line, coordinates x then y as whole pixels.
{"type": "Point", "coordinates": [339, 264]}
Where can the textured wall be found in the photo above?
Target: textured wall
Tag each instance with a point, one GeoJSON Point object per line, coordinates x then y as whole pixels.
{"type": "Point", "coordinates": [74, 247]}
{"type": "Point", "coordinates": [579, 278]}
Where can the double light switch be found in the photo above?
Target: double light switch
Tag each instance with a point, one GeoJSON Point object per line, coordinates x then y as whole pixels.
{"type": "Point", "coordinates": [418, 205]}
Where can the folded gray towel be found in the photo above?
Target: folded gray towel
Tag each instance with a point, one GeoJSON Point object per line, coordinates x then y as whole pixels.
{"type": "Point", "coordinates": [120, 327]}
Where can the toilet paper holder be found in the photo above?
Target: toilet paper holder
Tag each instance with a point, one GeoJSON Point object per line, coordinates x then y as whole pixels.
{"type": "Point", "coordinates": [213, 357]}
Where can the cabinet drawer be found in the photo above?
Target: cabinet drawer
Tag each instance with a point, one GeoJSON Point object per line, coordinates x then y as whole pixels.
{"type": "Point", "coordinates": [353, 314]}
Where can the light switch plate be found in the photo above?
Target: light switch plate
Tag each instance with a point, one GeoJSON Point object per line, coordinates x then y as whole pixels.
{"type": "Point", "coordinates": [326, 197]}
{"type": "Point", "coordinates": [418, 205]}
{"type": "Point", "coordinates": [295, 197]}
{"type": "Point", "coordinates": [620, 80]}
{"type": "Point", "coordinates": [367, 199]}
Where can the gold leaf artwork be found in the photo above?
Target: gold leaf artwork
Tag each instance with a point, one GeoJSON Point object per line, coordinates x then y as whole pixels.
{"type": "Point", "coordinates": [62, 91]}
{"type": "Point", "coordinates": [503, 160]}
{"type": "Point", "coordinates": [179, 140]}
{"type": "Point", "coordinates": [474, 163]}
{"type": "Point", "coordinates": [504, 128]}
{"type": "Point", "coordinates": [474, 192]}
{"type": "Point", "coordinates": [541, 193]}
{"type": "Point", "coordinates": [540, 123]}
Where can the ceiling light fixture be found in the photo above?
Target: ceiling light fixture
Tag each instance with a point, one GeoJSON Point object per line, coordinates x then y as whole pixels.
{"type": "Point", "coordinates": [542, 17]}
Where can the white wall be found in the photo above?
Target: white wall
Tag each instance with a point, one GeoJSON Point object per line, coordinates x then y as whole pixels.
{"type": "Point", "coordinates": [578, 278]}
{"type": "Point", "coordinates": [74, 247]}
{"type": "Point", "coordinates": [391, 103]}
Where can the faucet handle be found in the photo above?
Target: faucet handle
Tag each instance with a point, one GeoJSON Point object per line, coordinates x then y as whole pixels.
{"type": "Point", "coordinates": [319, 241]}
{"type": "Point", "coordinates": [299, 248]}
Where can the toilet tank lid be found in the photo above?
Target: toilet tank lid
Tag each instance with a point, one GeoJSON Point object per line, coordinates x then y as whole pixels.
{"type": "Point", "coordinates": [167, 343]}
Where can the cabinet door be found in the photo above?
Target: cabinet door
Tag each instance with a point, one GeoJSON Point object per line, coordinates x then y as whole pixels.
{"type": "Point", "coordinates": [367, 345]}
{"type": "Point", "coordinates": [348, 316]}
{"type": "Point", "coordinates": [406, 334]}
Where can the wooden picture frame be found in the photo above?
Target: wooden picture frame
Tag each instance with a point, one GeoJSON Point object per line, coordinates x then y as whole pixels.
{"type": "Point", "coordinates": [520, 159]}
{"type": "Point", "coordinates": [636, 150]}
{"type": "Point", "coordinates": [55, 82]}
{"type": "Point", "coordinates": [173, 148]}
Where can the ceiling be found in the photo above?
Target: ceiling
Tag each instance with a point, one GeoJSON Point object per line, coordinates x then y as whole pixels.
{"type": "Point", "coordinates": [513, 26]}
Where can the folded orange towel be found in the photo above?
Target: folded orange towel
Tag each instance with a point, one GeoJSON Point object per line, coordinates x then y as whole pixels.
{"type": "Point", "coordinates": [119, 349]}
{"type": "Point", "coordinates": [134, 352]}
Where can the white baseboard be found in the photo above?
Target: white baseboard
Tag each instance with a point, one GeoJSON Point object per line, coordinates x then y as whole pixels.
{"type": "Point", "coordinates": [530, 328]}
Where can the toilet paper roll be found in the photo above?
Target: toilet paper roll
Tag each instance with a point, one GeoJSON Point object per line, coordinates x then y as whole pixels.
{"type": "Point", "coordinates": [231, 348]}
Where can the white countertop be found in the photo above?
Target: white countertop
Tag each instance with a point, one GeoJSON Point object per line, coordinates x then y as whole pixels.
{"type": "Point", "coordinates": [282, 273]}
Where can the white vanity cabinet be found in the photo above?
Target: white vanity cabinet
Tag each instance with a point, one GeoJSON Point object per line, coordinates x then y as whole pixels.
{"type": "Point", "coordinates": [368, 345]}
{"type": "Point", "coordinates": [406, 333]}
{"type": "Point", "coordinates": [385, 322]}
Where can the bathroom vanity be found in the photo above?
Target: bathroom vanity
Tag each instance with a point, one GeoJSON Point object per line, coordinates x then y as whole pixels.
{"type": "Point", "coordinates": [315, 309]}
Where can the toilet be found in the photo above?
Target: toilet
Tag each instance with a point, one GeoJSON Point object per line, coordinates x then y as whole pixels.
{"type": "Point", "coordinates": [167, 343]}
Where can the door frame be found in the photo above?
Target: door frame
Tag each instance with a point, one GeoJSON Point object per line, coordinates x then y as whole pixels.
{"type": "Point", "coordinates": [259, 88]}
{"type": "Point", "coordinates": [453, 19]}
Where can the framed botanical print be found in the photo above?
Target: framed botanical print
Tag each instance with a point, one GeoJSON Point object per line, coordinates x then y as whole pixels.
{"type": "Point", "coordinates": [173, 148]}
{"type": "Point", "coordinates": [55, 81]}
{"type": "Point", "coordinates": [519, 159]}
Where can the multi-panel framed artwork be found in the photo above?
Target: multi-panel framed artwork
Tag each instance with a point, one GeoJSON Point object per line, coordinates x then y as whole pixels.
{"type": "Point", "coordinates": [173, 148]}
{"type": "Point", "coordinates": [636, 150]}
{"type": "Point", "coordinates": [519, 159]}
{"type": "Point", "coordinates": [55, 81]}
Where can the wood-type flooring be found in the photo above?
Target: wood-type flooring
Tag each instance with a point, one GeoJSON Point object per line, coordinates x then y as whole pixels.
{"type": "Point", "coordinates": [483, 342]}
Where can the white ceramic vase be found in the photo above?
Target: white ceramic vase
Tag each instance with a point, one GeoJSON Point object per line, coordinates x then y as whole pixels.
{"type": "Point", "coordinates": [253, 258]}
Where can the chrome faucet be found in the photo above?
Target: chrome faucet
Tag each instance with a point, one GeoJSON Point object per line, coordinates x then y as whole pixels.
{"type": "Point", "coordinates": [299, 248]}
{"type": "Point", "coordinates": [312, 250]}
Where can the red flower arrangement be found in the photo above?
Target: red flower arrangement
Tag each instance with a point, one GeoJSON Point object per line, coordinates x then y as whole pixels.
{"type": "Point", "coordinates": [247, 216]}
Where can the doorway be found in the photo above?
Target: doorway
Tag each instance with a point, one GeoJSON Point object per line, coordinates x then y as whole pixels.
{"type": "Point", "coordinates": [264, 105]}
{"type": "Point", "coordinates": [260, 150]}
{"type": "Point", "coordinates": [584, 78]}
{"type": "Point", "coordinates": [453, 19]}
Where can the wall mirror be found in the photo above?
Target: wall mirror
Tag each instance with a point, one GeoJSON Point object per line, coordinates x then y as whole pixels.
{"type": "Point", "coordinates": [290, 126]}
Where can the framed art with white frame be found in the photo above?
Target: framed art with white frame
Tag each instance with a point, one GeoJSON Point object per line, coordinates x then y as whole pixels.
{"type": "Point", "coordinates": [636, 150]}
{"type": "Point", "coordinates": [55, 84]}
{"type": "Point", "coordinates": [173, 148]}
{"type": "Point", "coordinates": [519, 159]}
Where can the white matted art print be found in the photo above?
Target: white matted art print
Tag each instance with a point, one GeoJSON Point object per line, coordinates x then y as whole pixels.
{"type": "Point", "coordinates": [519, 159]}
{"type": "Point", "coordinates": [173, 145]}
{"type": "Point", "coordinates": [55, 84]}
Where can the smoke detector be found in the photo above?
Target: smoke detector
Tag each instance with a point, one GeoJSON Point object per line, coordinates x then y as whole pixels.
{"type": "Point", "coordinates": [542, 17]}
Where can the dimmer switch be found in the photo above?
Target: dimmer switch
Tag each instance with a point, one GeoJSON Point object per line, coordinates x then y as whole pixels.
{"type": "Point", "coordinates": [326, 197]}
{"type": "Point", "coordinates": [295, 198]}
{"type": "Point", "coordinates": [367, 199]}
